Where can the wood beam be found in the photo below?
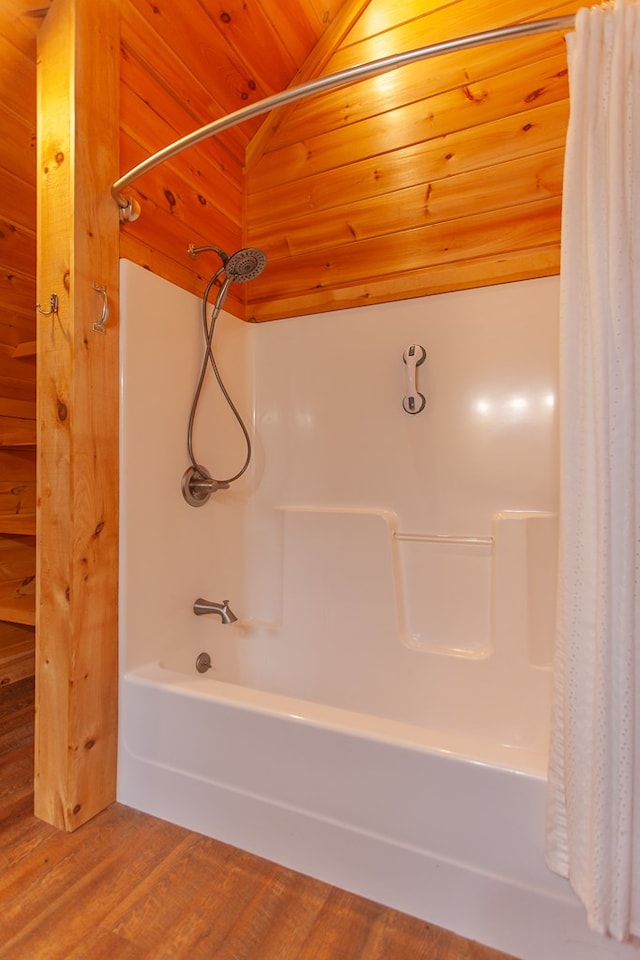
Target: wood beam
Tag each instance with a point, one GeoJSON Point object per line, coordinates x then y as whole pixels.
{"type": "Point", "coordinates": [77, 413]}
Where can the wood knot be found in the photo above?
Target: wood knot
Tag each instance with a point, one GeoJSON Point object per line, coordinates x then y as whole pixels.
{"type": "Point", "coordinates": [225, 17]}
{"type": "Point", "coordinates": [77, 809]}
{"type": "Point", "coordinates": [90, 744]}
{"type": "Point", "coordinates": [428, 197]}
{"type": "Point", "coordinates": [63, 413]}
{"type": "Point", "coordinates": [530, 97]}
{"type": "Point", "coordinates": [473, 97]}
{"type": "Point", "coordinates": [98, 530]}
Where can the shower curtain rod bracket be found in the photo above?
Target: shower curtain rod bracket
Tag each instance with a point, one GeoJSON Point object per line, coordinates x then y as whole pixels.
{"type": "Point", "coordinates": [130, 209]}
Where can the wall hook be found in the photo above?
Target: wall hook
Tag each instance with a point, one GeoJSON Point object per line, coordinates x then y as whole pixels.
{"type": "Point", "coordinates": [53, 306]}
{"type": "Point", "coordinates": [98, 325]}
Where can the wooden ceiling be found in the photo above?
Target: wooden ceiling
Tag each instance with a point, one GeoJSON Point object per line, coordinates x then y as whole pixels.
{"type": "Point", "coordinates": [443, 175]}
{"type": "Point", "coordinates": [439, 176]}
{"type": "Point", "coordinates": [182, 68]}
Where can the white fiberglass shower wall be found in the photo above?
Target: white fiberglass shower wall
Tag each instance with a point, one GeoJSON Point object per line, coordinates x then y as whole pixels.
{"type": "Point", "coordinates": [393, 564]}
{"type": "Point", "coordinates": [378, 714]}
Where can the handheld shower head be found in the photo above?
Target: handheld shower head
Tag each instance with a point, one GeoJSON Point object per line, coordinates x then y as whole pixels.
{"type": "Point", "coordinates": [246, 264]}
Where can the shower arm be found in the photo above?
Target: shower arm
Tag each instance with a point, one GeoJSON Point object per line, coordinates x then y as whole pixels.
{"type": "Point", "coordinates": [129, 207]}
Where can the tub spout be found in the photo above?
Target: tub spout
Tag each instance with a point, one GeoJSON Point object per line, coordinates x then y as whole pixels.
{"type": "Point", "coordinates": [223, 609]}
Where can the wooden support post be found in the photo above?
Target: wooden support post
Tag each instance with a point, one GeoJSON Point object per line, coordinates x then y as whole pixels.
{"type": "Point", "coordinates": [77, 411]}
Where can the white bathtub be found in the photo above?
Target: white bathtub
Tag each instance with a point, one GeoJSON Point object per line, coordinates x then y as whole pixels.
{"type": "Point", "coordinates": [400, 814]}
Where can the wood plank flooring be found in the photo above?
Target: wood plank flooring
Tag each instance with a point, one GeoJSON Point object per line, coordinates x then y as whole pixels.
{"type": "Point", "coordinates": [127, 886]}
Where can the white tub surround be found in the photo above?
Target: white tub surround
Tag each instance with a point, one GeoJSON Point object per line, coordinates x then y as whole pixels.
{"type": "Point", "coordinates": [377, 716]}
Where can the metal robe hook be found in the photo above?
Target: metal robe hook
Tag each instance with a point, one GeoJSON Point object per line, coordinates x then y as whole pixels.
{"type": "Point", "coordinates": [53, 306]}
{"type": "Point", "coordinates": [98, 325]}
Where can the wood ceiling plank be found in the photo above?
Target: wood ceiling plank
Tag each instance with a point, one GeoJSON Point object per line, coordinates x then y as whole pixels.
{"type": "Point", "coordinates": [494, 188]}
{"type": "Point", "coordinates": [501, 96]}
{"type": "Point", "coordinates": [414, 24]}
{"type": "Point", "coordinates": [140, 42]}
{"type": "Point", "coordinates": [271, 38]}
{"type": "Point", "coordinates": [525, 264]}
{"type": "Point", "coordinates": [529, 133]}
{"type": "Point", "coordinates": [194, 192]}
{"type": "Point", "coordinates": [525, 226]}
{"type": "Point", "coordinates": [312, 67]}
{"type": "Point", "coordinates": [415, 83]}
{"type": "Point", "coordinates": [206, 51]}
{"type": "Point", "coordinates": [155, 118]}
{"type": "Point", "coordinates": [165, 85]}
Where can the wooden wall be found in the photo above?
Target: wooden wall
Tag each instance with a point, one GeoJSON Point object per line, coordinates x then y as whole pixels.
{"type": "Point", "coordinates": [19, 21]}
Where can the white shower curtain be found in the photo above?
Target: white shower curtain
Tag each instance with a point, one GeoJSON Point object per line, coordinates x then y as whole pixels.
{"type": "Point", "coordinates": [593, 828]}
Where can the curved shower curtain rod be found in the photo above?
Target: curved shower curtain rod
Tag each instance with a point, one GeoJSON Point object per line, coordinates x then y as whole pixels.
{"type": "Point", "coordinates": [129, 208]}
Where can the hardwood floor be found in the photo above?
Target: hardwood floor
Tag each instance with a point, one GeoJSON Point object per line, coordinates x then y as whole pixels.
{"type": "Point", "coordinates": [127, 886]}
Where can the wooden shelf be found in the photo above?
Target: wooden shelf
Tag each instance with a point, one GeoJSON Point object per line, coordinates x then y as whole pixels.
{"type": "Point", "coordinates": [27, 349]}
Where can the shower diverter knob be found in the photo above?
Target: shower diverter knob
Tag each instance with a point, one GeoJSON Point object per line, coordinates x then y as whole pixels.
{"type": "Point", "coordinates": [413, 357]}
